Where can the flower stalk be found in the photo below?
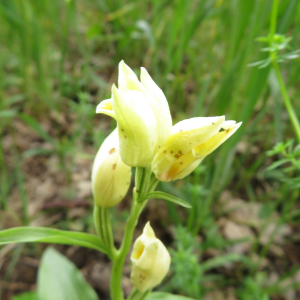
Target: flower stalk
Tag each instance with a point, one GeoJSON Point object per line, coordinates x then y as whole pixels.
{"type": "Point", "coordinates": [142, 187]}
{"type": "Point", "coordinates": [145, 139]}
{"type": "Point", "coordinates": [288, 105]}
{"type": "Point", "coordinates": [137, 295]}
{"type": "Point", "coordinates": [273, 56]}
{"type": "Point", "coordinates": [104, 230]}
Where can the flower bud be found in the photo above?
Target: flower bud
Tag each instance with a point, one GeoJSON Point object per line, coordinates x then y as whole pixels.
{"type": "Point", "coordinates": [189, 143]}
{"type": "Point", "coordinates": [110, 176]}
{"type": "Point", "coordinates": [150, 261]}
{"type": "Point", "coordinates": [142, 113]}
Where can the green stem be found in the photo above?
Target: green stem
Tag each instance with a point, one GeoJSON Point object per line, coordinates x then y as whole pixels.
{"type": "Point", "coordinates": [103, 228]}
{"type": "Point", "coordinates": [137, 295]}
{"type": "Point", "coordinates": [273, 54]}
{"type": "Point", "coordinates": [273, 18]}
{"type": "Point", "coordinates": [143, 185]}
{"type": "Point", "coordinates": [287, 101]}
{"type": "Point", "coordinates": [116, 274]}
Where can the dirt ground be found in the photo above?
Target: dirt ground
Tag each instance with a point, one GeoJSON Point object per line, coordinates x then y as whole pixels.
{"type": "Point", "coordinates": [52, 203]}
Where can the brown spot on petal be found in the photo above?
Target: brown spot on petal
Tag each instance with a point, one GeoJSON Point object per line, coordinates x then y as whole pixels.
{"type": "Point", "coordinates": [165, 152]}
{"type": "Point", "coordinates": [171, 152]}
{"type": "Point", "coordinates": [179, 152]}
{"type": "Point", "coordinates": [181, 163]}
{"type": "Point", "coordinates": [213, 123]}
{"type": "Point", "coordinates": [122, 129]}
{"type": "Point", "coordinates": [112, 150]}
{"type": "Point", "coordinates": [227, 130]}
{"type": "Point", "coordinates": [114, 166]}
{"type": "Point", "coordinates": [177, 156]}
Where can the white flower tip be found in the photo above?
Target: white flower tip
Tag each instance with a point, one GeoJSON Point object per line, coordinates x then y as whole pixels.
{"type": "Point", "coordinates": [148, 231]}
{"type": "Point", "coordinates": [124, 72]}
{"type": "Point", "coordinates": [115, 91]}
{"type": "Point", "coordinates": [144, 74]}
{"type": "Point", "coordinates": [235, 127]}
{"type": "Point", "coordinates": [239, 124]}
{"type": "Point", "coordinates": [125, 69]}
{"type": "Point", "coordinates": [146, 80]}
{"type": "Point", "coordinates": [98, 108]}
{"type": "Point", "coordinates": [122, 64]}
{"type": "Point", "coordinates": [228, 124]}
{"type": "Point", "coordinates": [230, 130]}
{"type": "Point", "coordinates": [113, 87]}
{"type": "Point", "coordinates": [105, 104]}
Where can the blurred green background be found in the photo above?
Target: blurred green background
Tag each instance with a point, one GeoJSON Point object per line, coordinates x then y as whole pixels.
{"type": "Point", "coordinates": [58, 60]}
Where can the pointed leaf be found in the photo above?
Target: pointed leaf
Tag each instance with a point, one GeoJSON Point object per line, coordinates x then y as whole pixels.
{"type": "Point", "coordinates": [220, 261]}
{"type": "Point", "coordinates": [59, 279]}
{"type": "Point", "coordinates": [277, 164]}
{"type": "Point", "coordinates": [49, 235]}
{"type": "Point", "coordinates": [168, 197]}
{"type": "Point", "coordinates": [7, 113]}
{"type": "Point", "coordinates": [26, 296]}
{"type": "Point", "coordinates": [36, 151]}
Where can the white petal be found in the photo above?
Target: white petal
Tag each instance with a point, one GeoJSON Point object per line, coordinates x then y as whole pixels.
{"type": "Point", "coordinates": [110, 145]}
{"type": "Point", "coordinates": [159, 105]}
{"type": "Point", "coordinates": [124, 73]}
{"type": "Point", "coordinates": [188, 169]}
{"type": "Point", "coordinates": [185, 136]}
{"type": "Point", "coordinates": [228, 124]}
{"type": "Point", "coordinates": [136, 126]}
{"type": "Point", "coordinates": [197, 123]}
{"type": "Point", "coordinates": [110, 176]}
{"type": "Point", "coordinates": [105, 107]}
{"type": "Point", "coordinates": [148, 230]}
{"type": "Point", "coordinates": [214, 142]}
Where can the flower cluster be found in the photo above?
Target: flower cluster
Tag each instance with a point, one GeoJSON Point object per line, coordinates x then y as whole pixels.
{"type": "Point", "coordinates": [145, 137]}
{"type": "Point", "coordinates": [145, 128]}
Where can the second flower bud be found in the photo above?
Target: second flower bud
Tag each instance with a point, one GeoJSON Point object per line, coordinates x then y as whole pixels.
{"type": "Point", "coordinates": [150, 261]}
{"type": "Point", "coordinates": [110, 176]}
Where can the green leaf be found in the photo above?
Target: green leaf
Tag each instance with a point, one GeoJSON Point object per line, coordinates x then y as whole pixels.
{"type": "Point", "coordinates": [36, 151]}
{"type": "Point", "coordinates": [59, 279]}
{"type": "Point", "coordinates": [277, 164]}
{"type": "Point", "coordinates": [221, 260]}
{"type": "Point", "coordinates": [26, 296]}
{"type": "Point", "coordinates": [165, 296]}
{"type": "Point", "coordinates": [7, 113]}
{"type": "Point", "coordinates": [168, 197]}
{"type": "Point", "coordinates": [49, 235]}
{"type": "Point", "coordinates": [14, 99]}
